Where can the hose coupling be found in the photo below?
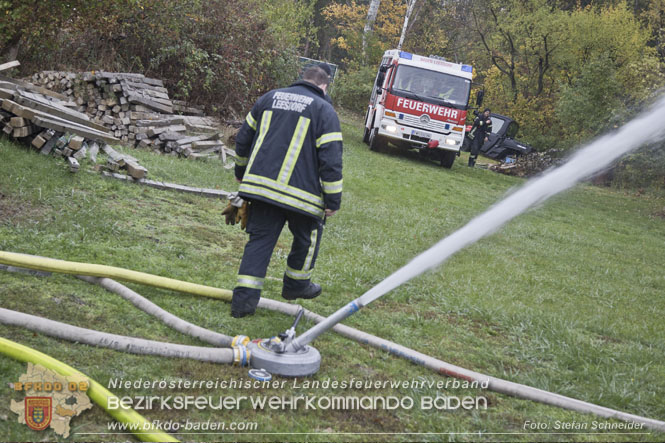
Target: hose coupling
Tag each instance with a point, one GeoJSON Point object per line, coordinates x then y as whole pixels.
{"type": "Point", "coordinates": [241, 355]}
{"type": "Point", "coordinates": [240, 340]}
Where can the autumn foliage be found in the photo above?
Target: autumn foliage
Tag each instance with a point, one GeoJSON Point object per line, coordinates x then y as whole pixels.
{"type": "Point", "coordinates": [220, 53]}
{"type": "Point", "coordinates": [566, 70]}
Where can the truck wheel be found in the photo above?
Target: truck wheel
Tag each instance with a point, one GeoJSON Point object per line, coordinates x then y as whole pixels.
{"type": "Point", "coordinates": [448, 158]}
{"type": "Point", "coordinates": [375, 143]}
{"type": "Point", "coordinates": [366, 136]}
{"type": "Point", "coordinates": [367, 130]}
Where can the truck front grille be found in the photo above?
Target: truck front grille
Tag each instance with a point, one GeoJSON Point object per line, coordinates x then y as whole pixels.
{"type": "Point", "coordinates": [433, 125]}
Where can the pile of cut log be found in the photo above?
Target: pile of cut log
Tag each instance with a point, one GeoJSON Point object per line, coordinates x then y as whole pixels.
{"type": "Point", "coordinates": [139, 111]}
{"type": "Point", "coordinates": [46, 121]}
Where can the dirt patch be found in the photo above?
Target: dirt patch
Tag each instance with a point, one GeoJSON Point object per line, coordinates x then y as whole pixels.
{"type": "Point", "coordinates": [659, 214]}
{"type": "Point", "coordinates": [480, 328]}
{"type": "Point", "coordinates": [608, 339]}
{"type": "Point", "coordinates": [12, 209]}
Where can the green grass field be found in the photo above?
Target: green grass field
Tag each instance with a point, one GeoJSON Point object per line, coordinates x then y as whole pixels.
{"type": "Point", "coordinates": [567, 298]}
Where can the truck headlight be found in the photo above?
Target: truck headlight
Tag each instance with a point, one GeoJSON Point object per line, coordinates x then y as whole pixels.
{"type": "Point", "coordinates": [451, 141]}
{"type": "Point", "coordinates": [391, 128]}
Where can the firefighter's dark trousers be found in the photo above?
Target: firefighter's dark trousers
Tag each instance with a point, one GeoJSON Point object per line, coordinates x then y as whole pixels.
{"type": "Point", "coordinates": [264, 226]}
{"type": "Point", "coordinates": [476, 144]}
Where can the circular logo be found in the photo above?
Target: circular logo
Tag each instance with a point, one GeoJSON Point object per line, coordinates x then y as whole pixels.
{"type": "Point", "coordinates": [424, 119]}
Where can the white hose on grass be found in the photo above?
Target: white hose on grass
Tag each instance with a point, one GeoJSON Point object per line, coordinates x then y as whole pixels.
{"type": "Point", "coordinates": [166, 317]}
{"type": "Point", "coordinates": [441, 367]}
{"type": "Point", "coordinates": [112, 341]}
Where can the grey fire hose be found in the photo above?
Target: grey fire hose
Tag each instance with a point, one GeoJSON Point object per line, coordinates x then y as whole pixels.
{"type": "Point", "coordinates": [493, 383]}
{"type": "Point", "coordinates": [180, 325]}
{"type": "Point", "coordinates": [117, 342]}
{"type": "Point", "coordinates": [441, 367]}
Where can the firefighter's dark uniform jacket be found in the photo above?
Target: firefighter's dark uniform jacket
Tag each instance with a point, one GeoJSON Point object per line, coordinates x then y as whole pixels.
{"type": "Point", "coordinates": [289, 151]}
{"type": "Point", "coordinates": [482, 127]}
{"type": "Point", "coordinates": [289, 158]}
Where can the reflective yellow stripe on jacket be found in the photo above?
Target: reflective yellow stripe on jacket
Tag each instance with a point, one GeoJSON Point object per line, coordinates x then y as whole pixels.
{"type": "Point", "coordinates": [271, 194]}
{"type": "Point", "coordinates": [293, 152]}
{"type": "Point", "coordinates": [263, 130]}
{"type": "Point", "coordinates": [332, 187]}
{"type": "Point", "coordinates": [251, 121]}
{"type": "Point", "coordinates": [329, 137]}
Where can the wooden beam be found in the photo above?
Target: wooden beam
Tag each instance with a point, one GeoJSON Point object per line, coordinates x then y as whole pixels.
{"type": "Point", "coordinates": [32, 87]}
{"type": "Point", "coordinates": [73, 164]}
{"type": "Point", "coordinates": [140, 100]}
{"type": "Point", "coordinates": [60, 126]}
{"type": "Point", "coordinates": [9, 65]}
{"type": "Point", "coordinates": [213, 193]}
{"type": "Point", "coordinates": [27, 112]}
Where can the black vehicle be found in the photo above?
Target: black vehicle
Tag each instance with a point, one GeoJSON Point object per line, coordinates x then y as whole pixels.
{"type": "Point", "coordinates": [501, 142]}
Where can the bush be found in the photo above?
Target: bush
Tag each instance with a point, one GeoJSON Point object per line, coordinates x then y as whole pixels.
{"type": "Point", "coordinates": [353, 88]}
{"type": "Point", "coordinates": [219, 53]}
{"type": "Point", "coordinates": [643, 169]}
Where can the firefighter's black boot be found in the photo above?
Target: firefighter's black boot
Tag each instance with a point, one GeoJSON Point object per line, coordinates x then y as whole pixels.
{"type": "Point", "coordinates": [472, 162]}
{"type": "Point", "coordinates": [309, 292]}
{"type": "Point", "coordinates": [244, 302]}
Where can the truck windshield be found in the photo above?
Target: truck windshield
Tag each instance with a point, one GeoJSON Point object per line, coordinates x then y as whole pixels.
{"type": "Point", "coordinates": [426, 84]}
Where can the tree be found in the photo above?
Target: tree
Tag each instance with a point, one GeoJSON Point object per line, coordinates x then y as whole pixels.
{"type": "Point", "coordinates": [32, 22]}
{"type": "Point", "coordinates": [407, 14]}
{"type": "Point", "coordinates": [372, 11]}
{"type": "Point", "coordinates": [654, 17]}
{"type": "Point", "coordinates": [349, 20]}
{"type": "Point", "coordinates": [548, 63]}
{"type": "Point", "coordinates": [520, 38]}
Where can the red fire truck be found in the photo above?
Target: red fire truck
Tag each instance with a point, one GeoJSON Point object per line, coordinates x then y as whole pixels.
{"type": "Point", "coordinates": [419, 103]}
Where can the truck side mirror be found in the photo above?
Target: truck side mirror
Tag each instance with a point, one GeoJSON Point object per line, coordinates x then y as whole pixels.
{"type": "Point", "coordinates": [379, 90]}
{"type": "Point", "coordinates": [480, 95]}
{"type": "Point", "coordinates": [383, 68]}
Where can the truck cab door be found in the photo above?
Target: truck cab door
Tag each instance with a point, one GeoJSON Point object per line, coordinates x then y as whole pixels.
{"type": "Point", "coordinates": [377, 92]}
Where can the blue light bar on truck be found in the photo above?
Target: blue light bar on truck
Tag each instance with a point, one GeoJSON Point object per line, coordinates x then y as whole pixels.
{"type": "Point", "coordinates": [406, 55]}
{"type": "Point", "coordinates": [467, 68]}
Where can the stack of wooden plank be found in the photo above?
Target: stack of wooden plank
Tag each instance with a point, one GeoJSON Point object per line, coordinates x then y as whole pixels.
{"type": "Point", "coordinates": [45, 121]}
{"type": "Point", "coordinates": [138, 111]}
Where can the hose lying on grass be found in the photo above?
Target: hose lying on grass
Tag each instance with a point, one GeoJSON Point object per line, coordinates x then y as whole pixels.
{"type": "Point", "coordinates": [93, 270]}
{"type": "Point", "coordinates": [135, 422]}
{"type": "Point", "coordinates": [494, 384]}
{"type": "Point", "coordinates": [166, 317]}
{"type": "Point", "coordinates": [112, 341]}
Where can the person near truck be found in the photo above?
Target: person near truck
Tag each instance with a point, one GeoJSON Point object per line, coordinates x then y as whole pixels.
{"type": "Point", "coordinates": [289, 165]}
{"type": "Point", "coordinates": [481, 129]}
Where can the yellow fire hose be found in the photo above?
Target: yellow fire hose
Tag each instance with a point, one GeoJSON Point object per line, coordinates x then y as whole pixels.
{"type": "Point", "coordinates": [93, 270]}
{"type": "Point", "coordinates": [97, 393]}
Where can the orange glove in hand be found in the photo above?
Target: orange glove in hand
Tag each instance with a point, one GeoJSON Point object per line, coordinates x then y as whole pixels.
{"type": "Point", "coordinates": [230, 214]}
{"type": "Point", "coordinates": [241, 215]}
{"type": "Point", "coordinates": [236, 211]}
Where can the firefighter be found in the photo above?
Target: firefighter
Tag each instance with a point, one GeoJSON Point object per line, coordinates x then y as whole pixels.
{"type": "Point", "coordinates": [482, 127]}
{"type": "Point", "coordinates": [326, 68]}
{"type": "Point", "coordinates": [289, 165]}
